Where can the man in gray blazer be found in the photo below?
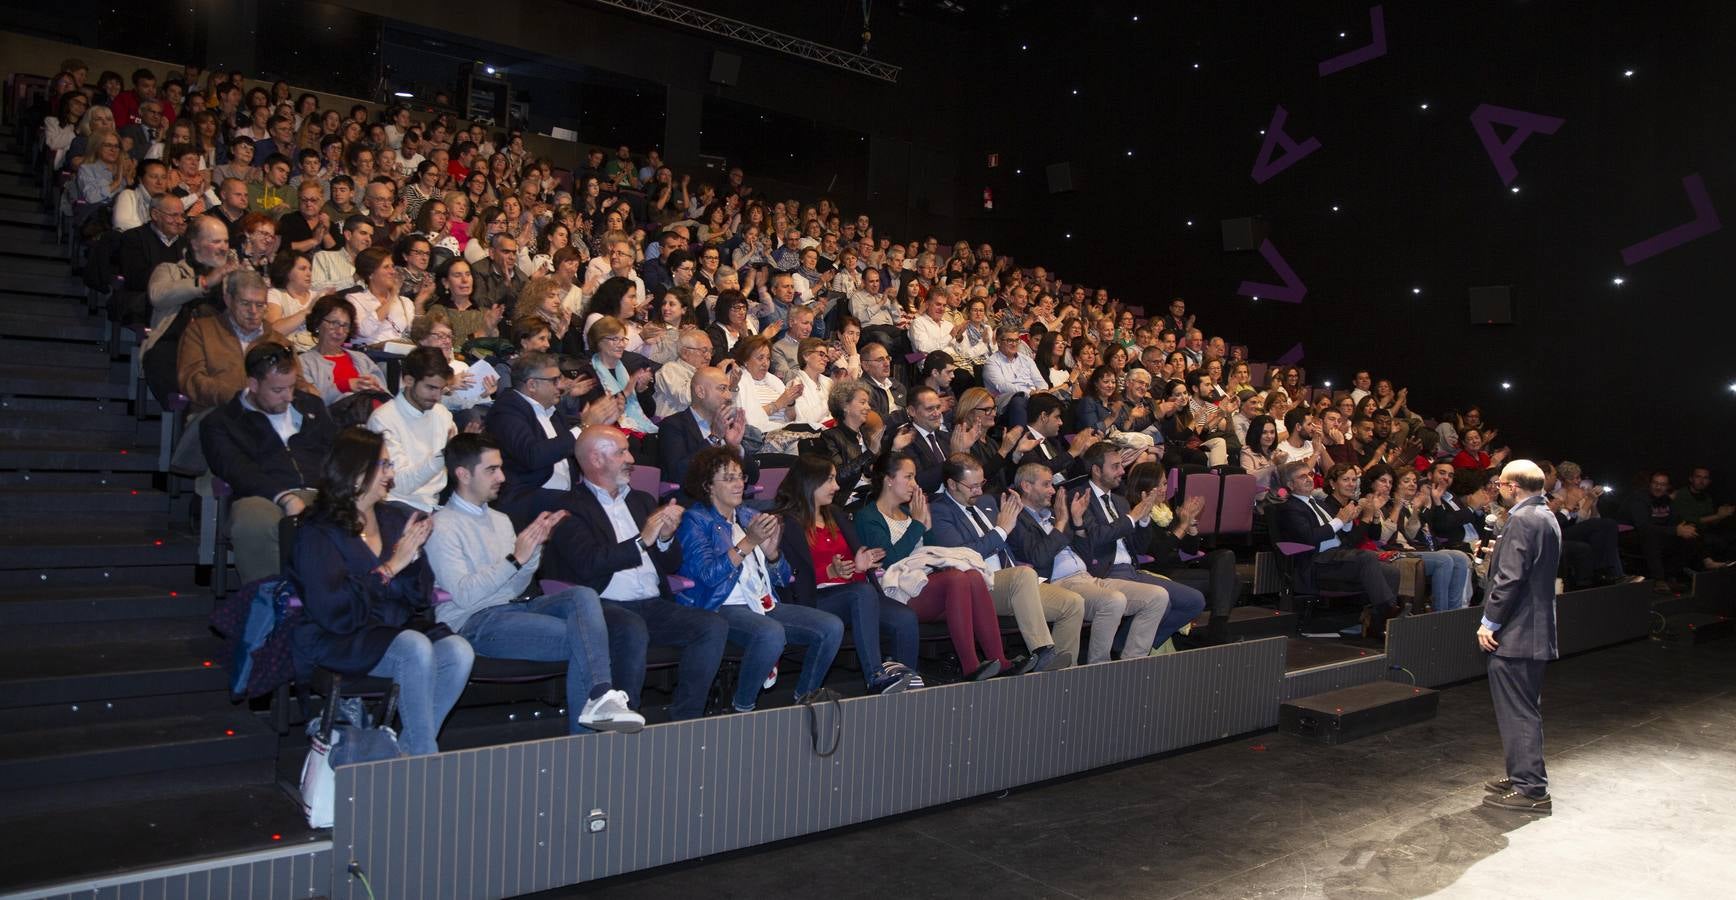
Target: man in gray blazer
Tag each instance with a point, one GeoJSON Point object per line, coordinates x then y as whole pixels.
{"type": "Point", "coordinates": [1518, 633]}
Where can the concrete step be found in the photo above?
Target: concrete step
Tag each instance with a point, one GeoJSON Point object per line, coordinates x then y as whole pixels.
{"type": "Point", "coordinates": [100, 603]}
{"type": "Point", "coordinates": [48, 546]}
{"type": "Point", "coordinates": [45, 307]}
{"type": "Point", "coordinates": [50, 381]}
{"type": "Point", "coordinates": [32, 217]}
{"type": "Point", "coordinates": [64, 355]}
{"type": "Point", "coordinates": [79, 663]}
{"type": "Point", "coordinates": [49, 757]}
{"type": "Point", "coordinates": [107, 505]}
{"type": "Point", "coordinates": [84, 329]}
{"type": "Point", "coordinates": [63, 457]}
{"type": "Point", "coordinates": [49, 284]}
{"type": "Point", "coordinates": [138, 480]}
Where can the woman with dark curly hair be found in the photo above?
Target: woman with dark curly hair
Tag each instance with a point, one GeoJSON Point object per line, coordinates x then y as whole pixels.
{"type": "Point", "coordinates": [734, 558]}
{"type": "Point", "coordinates": [367, 592]}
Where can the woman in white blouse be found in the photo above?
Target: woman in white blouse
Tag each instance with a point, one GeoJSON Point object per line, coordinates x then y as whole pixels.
{"type": "Point", "coordinates": [291, 294]}
{"type": "Point", "coordinates": [763, 396]}
{"type": "Point", "coordinates": [381, 313]}
{"type": "Point", "coordinates": [810, 407]}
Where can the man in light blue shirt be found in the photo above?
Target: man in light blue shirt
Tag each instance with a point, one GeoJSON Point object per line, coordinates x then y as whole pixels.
{"type": "Point", "coordinates": [1012, 376]}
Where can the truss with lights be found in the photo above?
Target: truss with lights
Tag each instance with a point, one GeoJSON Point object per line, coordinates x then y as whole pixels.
{"type": "Point", "coordinates": [738, 30]}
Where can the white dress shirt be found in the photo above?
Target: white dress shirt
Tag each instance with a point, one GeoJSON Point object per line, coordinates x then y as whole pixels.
{"type": "Point", "coordinates": [641, 581]}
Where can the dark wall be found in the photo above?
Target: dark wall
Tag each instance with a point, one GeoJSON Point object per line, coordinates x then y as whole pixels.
{"type": "Point", "coordinates": [1625, 375]}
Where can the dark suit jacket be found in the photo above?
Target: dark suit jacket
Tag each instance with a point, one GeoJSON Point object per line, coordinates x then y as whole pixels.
{"type": "Point", "coordinates": [583, 549]}
{"type": "Point", "coordinates": [529, 457]}
{"type": "Point", "coordinates": [1294, 521]}
{"type": "Point", "coordinates": [1052, 453]}
{"type": "Point", "coordinates": [952, 527]}
{"type": "Point", "coordinates": [929, 462]}
{"type": "Point", "coordinates": [1098, 534]}
{"type": "Point", "coordinates": [1521, 595]}
{"type": "Point", "coordinates": [679, 440]}
{"type": "Point", "coordinates": [848, 456]}
{"type": "Point", "coordinates": [1448, 524]}
{"type": "Point", "coordinates": [1033, 546]}
{"type": "Point", "coordinates": [243, 449]}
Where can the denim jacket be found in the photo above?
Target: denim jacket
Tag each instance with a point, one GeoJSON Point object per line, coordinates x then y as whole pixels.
{"type": "Point", "coordinates": [705, 537]}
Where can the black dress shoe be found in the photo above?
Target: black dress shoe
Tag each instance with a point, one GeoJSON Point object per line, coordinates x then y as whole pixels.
{"type": "Point", "coordinates": [1513, 801]}
{"type": "Point", "coordinates": [1498, 786]}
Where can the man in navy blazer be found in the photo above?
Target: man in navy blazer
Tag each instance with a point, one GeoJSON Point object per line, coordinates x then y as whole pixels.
{"type": "Point", "coordinates": [536, 439]}
{"type": "Point", "coordinates": [1518, 633]}
{"type": "Point", "coordinates": [962, 517]}
{"type": "Point", "coordinates": [1110, 528]}
{"type": "Point", "coordinates": [610, 542]}
{"type": "Point", "coordinates": [713, 419]}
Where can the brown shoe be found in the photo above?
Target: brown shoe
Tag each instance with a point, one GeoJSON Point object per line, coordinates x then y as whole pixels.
{"type": "Point", "coordinates": [1513, 801]}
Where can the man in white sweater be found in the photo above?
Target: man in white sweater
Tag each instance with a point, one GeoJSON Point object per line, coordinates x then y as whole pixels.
{"type": "Point", "coordinates": [487, 569]}
{"type": "Point", "coordinates": [416, 428]}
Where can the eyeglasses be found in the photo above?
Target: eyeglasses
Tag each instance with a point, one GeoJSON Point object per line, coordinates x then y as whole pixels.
{"type": "Point", "coordinates": [334, 323]}
{"type": "Point", "coordinates": [548, 378]}
{"type": "Point", "coordinates": [729, 477]}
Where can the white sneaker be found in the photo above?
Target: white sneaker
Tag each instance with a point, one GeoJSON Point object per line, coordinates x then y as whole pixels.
{"type": "Point", "coordinates": [610, 713]}
{"type": "Point", "coordinates": [771, 678]}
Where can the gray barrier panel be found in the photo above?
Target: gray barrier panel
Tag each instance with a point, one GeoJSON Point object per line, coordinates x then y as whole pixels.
{"type": "Point", "coordinates": [512, 819]}
{"type": "Point", "coordinates": [287, 873]}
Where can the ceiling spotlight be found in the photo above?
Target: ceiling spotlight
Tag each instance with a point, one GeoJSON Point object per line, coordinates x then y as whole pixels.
{"type": "Point", "coordinates": [1135, 18]}
{"type": "Point", "coordinates": [1130, 153]}
{"type": "Point", "coordinates": [1335, 207]}
{"type": "Point", "coordinates": [1424, 105]}
{"type": "Point", "coordinates": [1506, 385]}
{"type": "Point", "coordinates": [1018, 171]}
{"type": "Point", "coordinates": [1190, 223]}
{"type": "Point", "coordinates": [488, 69]}
{"type": "Point", "coordinates": [1343, 34]}
{"type": "Point", "coordinates": [1262, 131]}
{"type": "Point", "coordinates": [1515, 189]}
{"type": "Point", "coordinates": [405, 94]}
{"type": "Point", "coordinates": [1196, 65]}
{"type": "Point", "coordinates": [1327, 383]}
{"type": "Point", "coordinates": [1627, 73]}
{"type": "Point", "coordinates": [1069, 235]}
{"type": "Point", "coordinates": [1075, 92]}
{"type": "Point", "coordinates": [1609, 488]}
{"type": "Point", "coordinates": [1733, 387]}
{"type": "Point", "coordinates": [1416, 290]}
{"type": "Point", "coordinates": [1618, 281]}
{"type": "Point", "coordinates": [1024, 46]}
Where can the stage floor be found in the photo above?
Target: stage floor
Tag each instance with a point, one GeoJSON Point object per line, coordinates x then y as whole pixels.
{"type": "Point", "coordinates": [1641, 743]}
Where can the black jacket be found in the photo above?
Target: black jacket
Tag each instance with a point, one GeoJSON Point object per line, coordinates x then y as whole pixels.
{"type": "Point", "coordinates": [1034, 547]}
{"type": "Point", "coordinates": [583, 549]}
{"type": "Point", "coordinates": [679, 440]}
{"type": "Point", "coordinates": [243, 449]}
{"type": "Point", "coordinates": [842, 446]}
{"type": "Point", "coordinates": [794, 547]}
{"type": "Point", "coordinates": [529, 457]}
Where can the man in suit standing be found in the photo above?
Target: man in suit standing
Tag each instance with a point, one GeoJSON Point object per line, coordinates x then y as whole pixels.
{"type": "Point", "coordinates": [713, 420]}
{"type": "Point", "coordinates": [960, 520]}
{"type": "Point", "coordinates": [1110, 530]}
{"type": "Point", "coordinates": [1518, 633]}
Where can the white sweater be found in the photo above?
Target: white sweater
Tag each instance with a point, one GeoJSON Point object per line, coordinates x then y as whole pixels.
{"type": "Point", "coordinates": [416, 442]}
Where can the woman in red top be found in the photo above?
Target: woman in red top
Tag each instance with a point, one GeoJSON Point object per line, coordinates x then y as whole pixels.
{"type": "Point", "coordinates": [1472, 455]}
{"type": "Point", "coordinates": [334, 370]}
{"type": "Point", "coordinates": [832, 575]}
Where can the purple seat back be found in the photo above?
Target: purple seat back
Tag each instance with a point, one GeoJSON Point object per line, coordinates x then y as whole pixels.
{"type": "Point", "coordinates": [1237, 514]}
{"type": "Point", "coordinates": [647, 479]}
{"type": "Point", "coordinates": [1205, 484]}
{"type": "Point", "coordinates": [1174, 484]}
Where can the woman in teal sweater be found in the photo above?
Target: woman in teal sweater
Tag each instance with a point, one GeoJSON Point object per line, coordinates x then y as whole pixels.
{"type": "Point", "coordinates": [895, 522]}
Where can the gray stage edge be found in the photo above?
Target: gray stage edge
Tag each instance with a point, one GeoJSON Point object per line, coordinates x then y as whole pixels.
{"type": "Point", "coordinates": [1333, 676]}
{"type": "Point", "coordinates": [1441, 648]}
{"type": "Point", "coordinates": [281, 873]}
{"type": "Point", "coordinates": [512, 819]}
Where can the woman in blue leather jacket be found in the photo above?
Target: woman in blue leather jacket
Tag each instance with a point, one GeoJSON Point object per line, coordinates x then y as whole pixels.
{"type": "Point", "coordinates": [732, 556]}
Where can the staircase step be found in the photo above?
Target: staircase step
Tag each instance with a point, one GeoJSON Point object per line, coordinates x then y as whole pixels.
{"type": "Point", "coordinates": [87, 357]}
{"type": "Point", "coordinates": [56, 547]}
{"type": "Point", "coordinates": [56, 266]}
{"type": "Point", "coordinates": [100, 603]}
{"type": "Point", "coordinates": [1336, 717]}
{"type": "Point", "coordinates": [23, 435]}
{"type": "Point", "coordinates": [55, 756]}
{"type": "Point", "coordinates": [45, 848]}
{"type": "Point", "coordinates": [81, 663]}
{"type": "Point", "coordinates": [84, 329]}
{"type": "Point", "coordinates": [37, 381]}
{"type": "Point", "coordinates": [26, 241]}
{"type": "Point", "coordinates": [56, 308]}
{"type": "Point", "coordinates": [109, 505]}
{"type": "Point", "coordinates": [33, 217]}
{"type": "Point", "coordinates": [59, 284]}
{"type": "Point", "coordinates": [69, 406]}
{"type": "Point", "coordinates": [82, 458]}
{"type": "Point", "coordinates": [136, 480]}
{"type": "Point", "coordinates": [1696, 627]}
{"type": "Point", "coordinates": [98, 573]}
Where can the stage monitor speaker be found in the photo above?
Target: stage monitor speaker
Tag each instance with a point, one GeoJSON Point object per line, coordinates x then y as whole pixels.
{"type": "Point", "coordinates": [1492, 305]}
{"type": "Point", "coordinates": [725, 68]}
{"type": "Point", "coordinates": [1061, 178]}
{"type": "Point", "coordinates": [1243, 234]}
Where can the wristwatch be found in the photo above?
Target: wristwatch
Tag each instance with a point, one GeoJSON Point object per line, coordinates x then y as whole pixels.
{"type": "Point", "coordinates": [514, 560]}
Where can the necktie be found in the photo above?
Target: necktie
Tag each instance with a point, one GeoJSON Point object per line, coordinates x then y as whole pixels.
{"type": "Point", "coordinates": [982, 523]}
{"type": "Point", "coordinates": [935, 446]}
{"type": "Point", "coordinates": [1319, 511]}
{"type": "Point", "coordinates": [1108, 507]}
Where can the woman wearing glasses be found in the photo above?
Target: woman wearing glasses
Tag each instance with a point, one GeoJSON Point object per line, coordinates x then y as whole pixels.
{"type": "Point", "coordinates": [334, 370]}
{"type": "Point", "coordinates": [734, 558]}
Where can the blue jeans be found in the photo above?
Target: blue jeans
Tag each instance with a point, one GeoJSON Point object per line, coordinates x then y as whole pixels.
{"type": "Point", "coordinates": [1185, 603]}
{"type": "Point", "coordinates": [1449, 573]}
{"type": "Point", "coordinates": [430, 676]}
{"type": "Point", "coordinates": [762, 639]}
{"type": "Point", "coordinates": [567, 625]}
{"type": "Point", "coordinates": [636, 624]}
{"type": "Point", "coordinates": [870, 613]}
